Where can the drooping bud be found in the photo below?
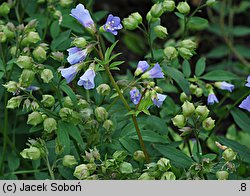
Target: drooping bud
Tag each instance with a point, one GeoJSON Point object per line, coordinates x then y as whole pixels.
{"type": "Point", "coordinates": [81, 172]}
{"type": "Point", "coordinates": [26, 77]}
{"type": "Point", "coordinates": [163, 164]}
{"type": "Point", "coordinates": [9, 33]}
{"type": "Point", "coordinates": [14, 102]}
{"type": "Point", "coordinates": [222, 175]}
{"type": "Point", "coordinates": [126, 168]}
{"type": "Point", "coordinates": [65, 113]}
{"type": "Point", "coordinates": [168, 6]}
{"type": "Point", "coordinates": [96, 154]}
{"type": "Point", "coordinates": [103, 89]}
{"type": "Point", "coordinates": [198, 92]}
{"type": "Point", "coordinates": [229, 154]}
{"type": "Point", "coordinates": [58, 56]}
{"type": "Point", "coordinates": [139, 156]}
{"type": "Point", "coordinates": [185, 53]}
{"type": "Point", "coordinates": [24, 62]}
{"type": "Point", "coordinates": [108, 125]}
{"type": "Point", "coordinates": [132, 21]}
{"type": "Point", "coordinates": [188, 108]}
{"type": "Point", "coordinates": [57, 15]}
{"type": "Point", "coordinates": [202, 111]}
{"type": "Point", "coordinates": [170, 53]}
{"type": "Point", "coordinates": [34, 105]}
{"type": "Point", "coordinates": [82, 104]}
{"type": "Point", "coordinates": [208, 124]}
{"type": "Point", "coordinates": [210, 2]}
{"type": "Point", "coordinates": [168, 176]}
{"type": "Point", "coordinates": [183, 8]}
{"type": "Point", "coordinates": [179, 121]}
{"type": "Point", "coordinates": [79, 42]}
{"type": "Point", "coordinates": [69, 161]}
{"type": "Point", "coordinates": [13, 51]}
{"type": "Point", "coordinates": [34, 118]}
{"type": "Point", "coordinates": [86, 113]}
{"type": "Point", "coordinates": [32, 153]}
{"type": "Point", "coordinates": [66, 3]}
{"type": "Point", "coordinates": [49, 125]}
{"type": "Point", "coordinates": [156, 10]}
{"type": "Point", "coordinates": [47, 75]}
{"type": "Point", "coordinates": [48, 101]}
{"type": "Point", "coordinates": [160, 31]}
{"type": "Point", "coordinates": [146, 176]}
{"type": "Point", "coordinates": [184, 97]}
{"type": "Point", "coordinates": [4, 9]}
{"type": "Point", "coordinates": [31, 38]}
{"type": "Point", "coordinates": [40, 54]}
{"type": "Point", "coordinates": [11, 86]}
{"type": "Point", "coordinates": [188, 44]}
{"type": "Point", "coordinates": [68, 103]}
{"type": "Point", "coordinates": [101, 114]}
{"type": "Point", "coordinates": [3, 37]}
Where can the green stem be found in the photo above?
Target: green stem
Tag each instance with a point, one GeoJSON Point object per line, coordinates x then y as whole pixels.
{"type": "Point", "coordinates": [27, 171]}
{"type": "Point", "coordinates": [50, 169]}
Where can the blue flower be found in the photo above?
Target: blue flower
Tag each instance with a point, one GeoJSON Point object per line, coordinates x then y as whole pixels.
{"type": "Point", "coordinates": [245, 104]}
{"type": "Point", "coordinates": [212, 99]}
{"type": "Point", "coordinates": [87, 79]}
{"type": "Point", "coordinates": [158, 101]}
{"type": "Point", "coordinates": [82, 15]}
{"type": "Point", "coordinates": [248, 81]}
{"type": "Point", "coordinates": [112, 24]}
{"type": "Point", "coordinates": [224, 86]}
{"type": "Point", "coordinates": [155, 72]}
{"type": "Point", "coordinates": [69, 73]}
{"type": "Point", "coordinates": [141, 67]}
{"type": "Point", "coordinates": [76, 55]}
{"type": "Point", "coordinates": [135, 96]}
{"type": "Point", "coordinates": [32, 88]}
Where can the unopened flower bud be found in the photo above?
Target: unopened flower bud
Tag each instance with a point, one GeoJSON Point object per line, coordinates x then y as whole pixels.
{"type": "Point", "coordinates": [86, 113]}
{"type": "Point", "coordinates": [68, 103]}
{"type": "Point", "coordinates": [66, 3]}
{"type": "Point", "coordinates": [222, 175]}
{"type": "Point", "coordinates": [185, 53]}
{"type": "Point", "coordinates": [163, 164]}
{"type": "Point", "coordinates": [48, 101]}
{"type": "Point", "coordinates": [8, 33]}
{"type": "Point", "coordinates": [69, 161]}
{"type": "Point", "coordinates": [170, 53]}
{"type": "Point", "coordinates": [4, 9]}
{"type": "Point", "coordinates": [193, 88]}
{"type": "Point", "coordinates": [34, 118]}
{"type": "Point", "coordinates": [31, 25]}
{"type": "Point", "coordinates": [96, 154]}
{"type": "Point", "coordinates": [160, 31]}
{"type": "Point", "coordinates": [32, 153]}
{"type": "Point", "coordinates": [126, 168]}
{"type": "Point", "coordinates": [81, 172]}
{"type": "Point", "coordinates": [58, 56]}
{"type": "Point", "coordinates": [47, 75]}
{"type": "Point", "coordinates": [229, 154]}
{"type": "Point", "coordinates": [31, 38]}
{"type": "Point", "coordinates": [184, 97]}
{"type": "Point", "coordinates": [11, 86]}
{"type": "Point", "coordinates": [57, 15]}
{"type": "Point", "coordinates": [26, 77]}
{"type": "Point", "coordinates": [40, 54]}
{"type": "Point", "coordinates": [168, 6]}
{"type": "Point", "coordinates": [210, 2]}
{"type": "Point", "coordinates": [82, 104]}
{"type": "Point", "coordinates": [3, 37]}
{"type": "Point", "coordinates": [34, 105]}
{"type": "Point", "coordinates": [79, 42]}
{"type": "Point", "coordinates": [168, 176]}
{"type": "Point", "coordinates": [91, 167]}
{"type": "Point", "coordinates": [179, 121]}
{"type": "Point", "coordinates": [198, 92]}
{"type": "Point", "coordinates": [41, 1]}
{"type": "Point", "coordinates": [188, 44]}
{"type": "Point", "coordinates": [146, 176]}
{"type": "Point", "coordinates": [24, 62]}
{"type": "Point", "coordinates": [14, 102]}
{"type": "Point", "coordinates": [156, 10]}
{"type": "Point", "coordinates": [188, 108]}
{"type": "Point", "coordinates": [132, 21]}
{"type": "Point", "coordinates": [183, 8]}
{"type": "Point", "coordinates": [149, 17]}
{"type": "Point", "coordinates": [65, 113]}
{"type": "Point", "coordinates": [13, 51]}
{"type": "Point", "coordinates": [101, 114]}
{"type": "Point", "coordinates": [208, 124]}
{"type": "Point", "coordinates": [139, 156]}
{"type": "Point", "coordinates": [49, 125]}
{"type": "Point", "coordinates": [103, 89]}
{"type": "Point", "coordinates": [108, 125]}
{"type": "Point", "coordinates": [202, 111]}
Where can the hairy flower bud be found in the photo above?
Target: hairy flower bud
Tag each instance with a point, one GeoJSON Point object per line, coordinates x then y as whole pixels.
{"type": "Point", "coordinates": [81, 172]}
{"type": "Point", "coordinates": [4, 9]}
{"type": "Point", "coordinates": [101, 114]}
{"type": "Point", "coordinates": [58, 56]}
{"type": "Point", "coordinates": [198, 92]}
{"type": "Point", "coordinates": [222, 175]}
{"type": "Point", "coordinates": [126, 168]}
{"type": "Point", "coordinates": [34, 105]}
{"type": "Point", "coordinates": [179, 121]}
{"type": "Point", "coordinates": [188, 108]}
{"type": "Point", "coordinates": [139, 156]}
{"type": "Point", "coordinates": [160, 31]}
{"type": "Point", "coordinates": [79, 42]}
{"type": "Point", "coordinates": [163, 164]}
{"type": "Point", "coordinates": [48, 101]}
{"type": "Point", "coordinates": [24, 62]}
{"type": "Point", "coordinates": [3, 37]}
{"type": "Point", "coordinates": [47, 75]}
{"type": "Point", "coordinates": [229, 154]}
{"type": "Point", "coordinates": [31, 38]}
{"type": "Point", "coordinates": [183, 8]}
{"type": "Point", "coordinates": [132, 21]}
{"type": "Point", "coordinates": [66, 3]}
{"type": "Point", "coordinates": [14, 102]}
{"type": "Point", "coordinates": [170, 53]}
{"type": "Point", "coordinates": [34, 118]}
{"type": "Point", "coordinates": [185, 53]}
{"type": "Point", "coordinates": [9, 33]}
{"type": "Point", "coordinates": [168, 176]}
{"type": "Point", "coordinates": [108, 125]}
{"type": "Point", "coordinates": [11, 86]}
{"type": "Point", "coordinates": [210, 2]}
{"type": "Point", "coordinates": [69, 161]}
{"type": "Point", "coordinates": [168, 6]}
{"type": "Point", "coordinates": [188, 44]}
{"type": "Point", "coordinates": [65, 113]}
{"type": "Point", "coordinates": [146, 176]}
{"type": "Point", "coordinates": [49, 125]}
{"type": "Point", "coordinates": [26, 77]}
{"type": "Point", "coordinates": [40, 54]}
{"type": "Point", "coordinates": [184, 97]}
{"type": "Point", "coordinates": [103, 89]}
{"type": "Point", "coordinates": [32, 153]}
{"type": "Point", "coordinates": [202, 111]}
{"type": "Point", "coordinates": [68, 103]}
{"type": "Point", "coordinates": [208, 124]}
{"type": "Point", "coordinates": [156, 10]}
{"type": "Point", "coordinates": [82, 104]}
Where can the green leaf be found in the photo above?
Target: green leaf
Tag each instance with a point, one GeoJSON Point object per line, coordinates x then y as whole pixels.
{"type": "Point", "coordinates": [241, 119]}
{"type": "Point", "coordinates": [219, 75]}
{"type": "Point", "coordinates": [13, 161]}
{"type": "Point", "coordinates": [177, 157]}
{"type": "Point", "coordinates": [109, 51]}
{"type": "Point", "coordinates": [243, 50]}
{"type": "Point", "coordinates": [134, 43]}
{"type": "Point", "coordinates": [54, 29]}
{"type": "Point", "coordinates": [63, 136]}
{"type": "Point", "coordinates": [145, 104]}
{"type": "Point", "coordinates": [178, 77]}
{"type": "Point", "coordinates": [1, 74]}
{"type": "Point", "coordinates": [239, 31]}
{"type": "Point", "coordinates": [186, 68]}
{"type": "Point", "coordinates": [200, 66]}
{"type": "Point", "coordinates": [99, 15]}
{"type": "Point", "coordinates": [218, 52]}
{"type": "Point", "coordinates": [117, 63]}
{"type": "Point", "coordinates": [242, 150]}
{"type": "Point", "coordinates": [65, 88]}
{"type": "Point", "coordinates": [36, 128]}
{"type": "Point", "coordinates": [71, 23]}
{"type": "Point", "coordinates": [151, 136]}
{"type": "Point", "coordinates": [130, 145]}
{"type": "Point", "coordinates": [197, 23]}
{"type": "Point", "coordinates": [109, 37]}
{"type": "Point", "coordinates": [61, 41]}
